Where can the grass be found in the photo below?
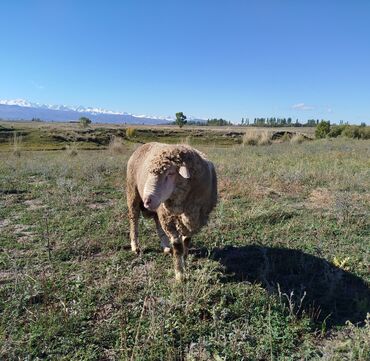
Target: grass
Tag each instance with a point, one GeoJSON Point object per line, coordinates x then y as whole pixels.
{"type": "Point", "coordinates": [57, 136]}
{"type": "Point", "coordinates": [280, 272]}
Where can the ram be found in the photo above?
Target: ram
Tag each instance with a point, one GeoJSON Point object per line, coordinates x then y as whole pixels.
{"type": "Point", "coordinates": [177, 186]}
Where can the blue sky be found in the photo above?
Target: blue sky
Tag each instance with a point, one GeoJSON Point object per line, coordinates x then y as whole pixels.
{"type": "Point", "coordinates": [229, 59]}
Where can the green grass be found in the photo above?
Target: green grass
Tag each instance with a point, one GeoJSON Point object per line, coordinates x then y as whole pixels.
{"type": "Point", "coordinates": [276, 274]}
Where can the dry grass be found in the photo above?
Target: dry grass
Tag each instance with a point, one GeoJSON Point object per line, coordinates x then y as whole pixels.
{"type": "Point", "coordinates": [297, 139]}
{"type": "Point", "coordinates": [280, 266]}
{"type": "Point", "coordinates": [321, 198]}
{"type": "Point", "coordinates": [117, 146]}
{"type": "Point", "coordinates": [72, 149]}
{"type": "Point", "coordinates": [17, 144]}
{"type": "Point", "coordinates": [257, 137]}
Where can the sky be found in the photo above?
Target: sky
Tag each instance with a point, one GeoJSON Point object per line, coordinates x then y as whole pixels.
{"type": "Point", "coordinates": [228, 59]}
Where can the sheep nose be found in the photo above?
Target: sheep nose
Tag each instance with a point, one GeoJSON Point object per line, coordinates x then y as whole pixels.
{"type": "Point", "coordinates": [147, 202]}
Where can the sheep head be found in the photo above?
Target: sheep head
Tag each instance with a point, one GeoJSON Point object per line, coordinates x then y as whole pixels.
{"type": "Point", "coordinates": [162, 179]}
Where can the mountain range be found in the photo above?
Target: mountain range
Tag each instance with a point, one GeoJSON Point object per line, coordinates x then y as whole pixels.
{"type": "Point", "coordinates": [20, 109]}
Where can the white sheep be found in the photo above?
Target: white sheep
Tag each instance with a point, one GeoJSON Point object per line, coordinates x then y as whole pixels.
{"type": "Point", "coordinates": [177, 186]}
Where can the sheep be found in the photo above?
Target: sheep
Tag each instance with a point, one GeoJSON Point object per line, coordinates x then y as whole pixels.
{"type": "Point", "coordinates": [177, 186]}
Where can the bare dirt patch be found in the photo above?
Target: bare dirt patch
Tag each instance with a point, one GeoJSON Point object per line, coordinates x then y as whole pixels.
{"type": "Point", "coordinates": [100, 205]}
{"type": "Point", "coordinates": [320, 198]}
{"type": "Point", "coordinates": [4, 222]}
{"type": "Point", "coordinates": [24, 235]}
{"type": "Point", "coordinates": [7, 277]}
{"type": "Point", "coordinates": [34, 204]}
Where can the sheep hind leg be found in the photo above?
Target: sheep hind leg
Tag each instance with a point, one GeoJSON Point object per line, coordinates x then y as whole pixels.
{"type": "Point", "coordinates": [187, 244]}
{"type": "Point", "coordinates": [165, 242]}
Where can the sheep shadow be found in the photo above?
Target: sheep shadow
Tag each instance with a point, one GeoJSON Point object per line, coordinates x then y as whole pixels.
{"type": "Point", "coordinates": [330, 294]}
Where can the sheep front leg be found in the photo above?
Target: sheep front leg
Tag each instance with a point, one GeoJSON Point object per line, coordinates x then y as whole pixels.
{"type": "Point", "coordinates": [133, 203]}
{"type": "Point", "coordinates": [165, 243]}
{"type": "Point", "coordinates": [168, 224]}
{"type": "Point", "coordinates": [178, 258]}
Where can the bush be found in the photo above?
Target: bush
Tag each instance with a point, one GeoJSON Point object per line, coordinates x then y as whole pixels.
{"type": "Point", "coordinates": [322, 129]}
{"type": "Point", "coordinates": [336, 131]}
{"type": "Point", "coordinates": [350, 131]}
{"type": "Point", "coordinates": [365, 132]}
{"type": "Point", "coordinates": [130, 132]}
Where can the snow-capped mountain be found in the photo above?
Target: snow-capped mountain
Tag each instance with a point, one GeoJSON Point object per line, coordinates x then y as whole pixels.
{"type": "Point", "coordinates": [21, 109]}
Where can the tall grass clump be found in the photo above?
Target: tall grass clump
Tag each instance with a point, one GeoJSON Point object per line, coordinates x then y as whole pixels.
{"type": "Point", "coordinates": [116, 145]}
{"type": "Point", "coordinates": [265, 138]}
{"type": "Point", "coordinates": [297, 139]}
{"type": "Point", "coordinates": [130, 132]}
{"type": "Point", "coordinates": [17, 143]}
{"type": "Point", "coordinates": [285, 138]}
{"type": "Point", "coordinates": [71, 150]}
{"type": "Point", "coordinates": [256, 137]}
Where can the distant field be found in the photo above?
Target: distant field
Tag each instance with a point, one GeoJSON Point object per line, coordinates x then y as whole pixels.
{"type": "Point", "coordinates": [281, 272]}
{"type": "Point", "coordinates": [48, 136]}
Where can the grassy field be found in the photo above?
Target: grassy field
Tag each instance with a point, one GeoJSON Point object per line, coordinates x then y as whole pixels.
{"type": "Point", "coordinates": [281, 272]}
{"type": "Point", "coordinates": [55, 136]}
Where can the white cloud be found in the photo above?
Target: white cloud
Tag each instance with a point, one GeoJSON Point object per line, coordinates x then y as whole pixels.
{"type": "Point", "coordinates": [302, 106]}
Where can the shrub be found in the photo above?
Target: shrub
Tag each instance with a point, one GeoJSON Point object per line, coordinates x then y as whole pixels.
{"type": "Point", "coordinates": [130, 132]}
{"type": "Point", "coordinates": [365, 132]}
{"type": "Point", "coordinates": [322, 129]}
{"type": "Point", "coordinates": [357, 132]}
{"type": "Point", "coordinates": [336, 131]}
{"type": "Point", "coordinates": [352, 131]}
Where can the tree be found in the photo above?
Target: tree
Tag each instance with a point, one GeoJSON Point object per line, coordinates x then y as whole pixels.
{"type": "Point", "coordinates": [180, 119]}
{"type": "Point", "coordinates": [322, 129]}
{"type": "Point", "coordinates": [84, 121]}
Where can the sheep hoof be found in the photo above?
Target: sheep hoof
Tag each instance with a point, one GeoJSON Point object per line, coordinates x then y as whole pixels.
{"type": "Point", "coordinates": [179, 277]}
{"type": "Point", "coordinates": [136, 250]}
{"type": "Point", "coordinates": [167, 250]}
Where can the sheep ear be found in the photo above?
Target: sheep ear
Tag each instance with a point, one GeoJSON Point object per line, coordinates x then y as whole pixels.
{"type": "Point", "coordinates": [184, 172]}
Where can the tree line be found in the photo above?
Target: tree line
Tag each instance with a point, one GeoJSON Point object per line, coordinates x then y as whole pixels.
{"type": "Point", "coordinates": [257, 122]}
{"type": "Point", "coordinates": [278, 122]}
